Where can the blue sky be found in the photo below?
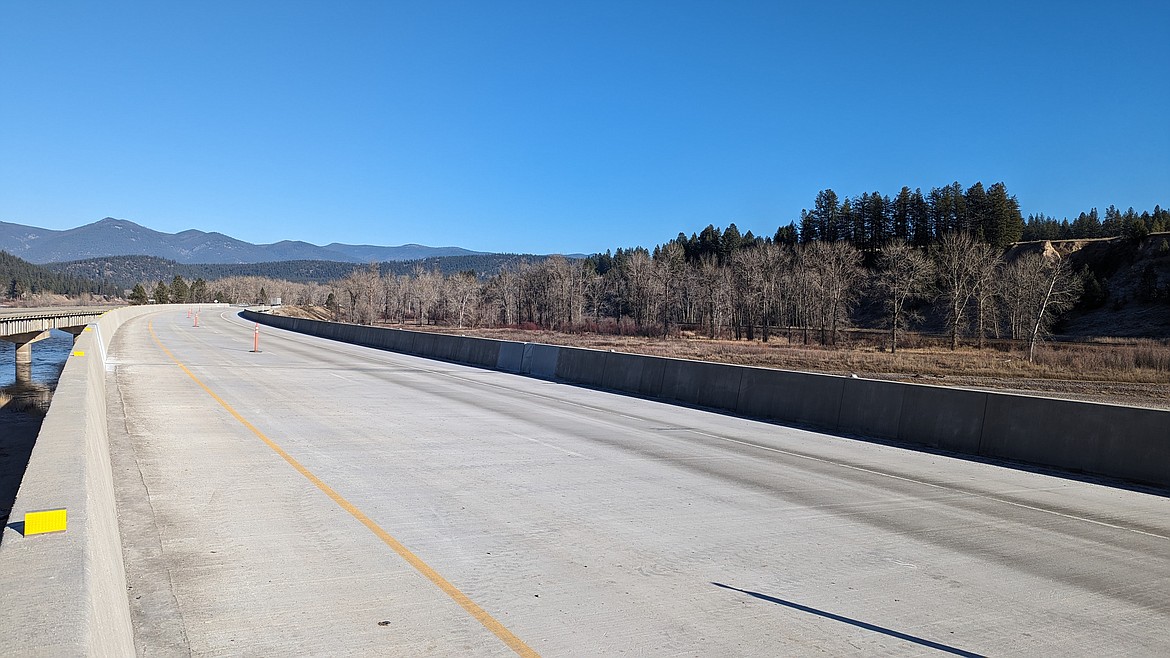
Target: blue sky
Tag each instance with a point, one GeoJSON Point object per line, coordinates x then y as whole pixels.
{"type": "Point", "coordinates": [566, 127]}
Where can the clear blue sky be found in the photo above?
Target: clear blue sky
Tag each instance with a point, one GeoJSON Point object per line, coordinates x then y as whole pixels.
{"type": "Point", "coordinates": [566, 127]}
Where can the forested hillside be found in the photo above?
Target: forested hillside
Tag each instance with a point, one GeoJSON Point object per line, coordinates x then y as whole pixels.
{"type": "Point", "coordinates": [991, 215]}
{"type": "Point", "coordinates": [21, 278]}
{"type": "Point", "coordinates": [126, 271]}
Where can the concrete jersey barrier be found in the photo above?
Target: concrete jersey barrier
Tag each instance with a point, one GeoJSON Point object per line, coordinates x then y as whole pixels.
{"type": "Point", "coordinates": [65, 593]}
{"type": "Point", "coordinates": [1128, 443]}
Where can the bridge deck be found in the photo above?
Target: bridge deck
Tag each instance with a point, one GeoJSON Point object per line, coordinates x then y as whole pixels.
{"type": "Point", "coordinates": [18, 321]}
{"type": "Point", "coordinates": [325, 498]}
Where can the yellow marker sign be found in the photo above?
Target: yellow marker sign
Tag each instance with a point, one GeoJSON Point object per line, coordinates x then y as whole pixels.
{"type": "Point", "coordinates": [50, 520]}
{"type": "Point", "coordinates": [78, 353]}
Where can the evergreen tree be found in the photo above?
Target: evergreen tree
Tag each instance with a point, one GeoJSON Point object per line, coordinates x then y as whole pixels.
{"type": "Point", "coordinates": [920, 230]}
{"type": "Point", "coordinates": [978, 211]}
{"type": "Point", "coordinates": [876, 221]}
{"type": "Point", "coordinates": [180, 291]}
{"type": "Point", "coordinates": [730, 243]}
{"type": "Point", "coordinates": [1002, 223]}
{"type": "Point", "coordinates": [858, 233]}
{"type": "Point", "coordinates": [709, 243]}
{"type": "Point", "coordinates": [787, 235]}
{"type": "Point", "coordinates": [843, 229]}
{"type": "Point", "coordinates": [825, 213]}
{"type": "Point", "coordinates": [161, 294]}
{"type": "Point", "coordinates": [900, 214]}
{"type": "Point", "coordinates": [138, 295]}
{"type": "Point", "coordinates": [1113, 224]}
{"type": "Point", "coordinates": [960, 219]}
{"type": "Point", "coordinates": [1086, 225]}
{"type": "Point", "coordinates": [199, 290]}
{"type": "Point", "coordinates": [808, 227]}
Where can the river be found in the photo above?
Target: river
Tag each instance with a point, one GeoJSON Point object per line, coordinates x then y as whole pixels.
{"type": "Point", "coordinates": [23, 407]}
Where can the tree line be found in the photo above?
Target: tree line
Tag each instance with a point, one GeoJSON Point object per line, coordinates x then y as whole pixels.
{"type": "Point", "coordinates": [934, 259]}
{"type": "Point", "coordinates": [991, 215]}
{"type": "Point", "coordinates": [810, 291]}
{"type": "Point", "coordinates": [870, 220]}
{"type": "Point", "coordinates": [1092, 225]}
{"type": "Point", "coordinates": [126, 271]}
{"type": "Point", "coordinates": [21, 279]}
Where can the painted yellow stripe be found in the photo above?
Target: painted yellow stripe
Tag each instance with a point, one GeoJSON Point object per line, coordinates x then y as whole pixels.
{"type": "Point", "coordinates": [481, 615]}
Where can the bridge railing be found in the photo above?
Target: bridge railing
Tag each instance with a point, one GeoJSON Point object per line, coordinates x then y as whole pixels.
{"type": "Point", "coordinates": [65, 593]}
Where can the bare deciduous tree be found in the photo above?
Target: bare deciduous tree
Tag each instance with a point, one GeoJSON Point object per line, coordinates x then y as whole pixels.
{"type": "Point", "coordinates": [461, 291]}
{"type": "Point", "coordinates": [986, 266]}
{"type": "Point", "coordinates": [956, 271]}
{"type": "Point", "coordinates": [903, 274]}
{"type": "Point", "coordinates": [838, 267]}
{"type": "Point", "coordinates": [1048, 286]}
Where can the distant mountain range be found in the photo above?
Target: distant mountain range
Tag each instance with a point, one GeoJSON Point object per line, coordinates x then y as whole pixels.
{"type": "Point", "coordinates": [119, 237]}
{"type": "Point", "coordinates": [125, 271]}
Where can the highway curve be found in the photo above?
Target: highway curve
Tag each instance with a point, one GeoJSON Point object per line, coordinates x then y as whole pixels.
{"type": "Point", "coordinates": [322, 498]}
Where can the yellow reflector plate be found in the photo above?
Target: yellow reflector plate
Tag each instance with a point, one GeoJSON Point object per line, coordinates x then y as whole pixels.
{"type": "Point", "coordinates": [51, 520]}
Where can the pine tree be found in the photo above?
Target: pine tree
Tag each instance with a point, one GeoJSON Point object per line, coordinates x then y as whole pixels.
{"type": "Point", "coordinates": [843, 230]}
{"type": "Point", "coordinates": [787, 235]}
{"type": "Point", "coordinates": [138, 295]}
{"type": "Point", "coordinates": [920, 230]}
{"type": "Point", "coordinates": [180, 291]}
{"type": "Point", "coordinates": [978, 211]}
{"type": "Point", "coordinates": [825, 213]}
{"type": "Point", "coordinates": [1002, 224]}
{"type": "Point", "coordinates": [901, 214]}
{"type": "Point", "coordinates": [730, 243]}
{"type": "Point", "coordinates": [199, 290]}
{"type": "Point", "coordinates": [1086, 225]}
{"type": "Point", "coordinates": [808, 227]}
{"type": "Point", "coordinates": [161, 294]}
{"type": "Point", "coordinates": [1113, 224]}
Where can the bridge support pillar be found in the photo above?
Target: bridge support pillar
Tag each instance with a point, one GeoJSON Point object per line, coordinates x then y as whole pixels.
{"type": "Point", "coordinates": [76, 331]}
{"type": "Point", "coordinates": [23, 359]}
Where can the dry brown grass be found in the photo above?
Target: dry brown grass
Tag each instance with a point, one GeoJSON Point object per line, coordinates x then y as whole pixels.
{"type": "Point", "coordinates": [1130, 372]}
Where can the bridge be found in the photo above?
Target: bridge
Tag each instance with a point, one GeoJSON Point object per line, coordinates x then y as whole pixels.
{"type": "Point", "coordinates": [23, 327]}
{"type": "Point", "coordinates": [321, 496]}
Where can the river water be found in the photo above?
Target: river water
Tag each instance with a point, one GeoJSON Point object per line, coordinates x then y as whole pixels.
{"type": "Point", "coordinates": [49, 357]}
{"type": "Point", "coordinates": [23, 407]}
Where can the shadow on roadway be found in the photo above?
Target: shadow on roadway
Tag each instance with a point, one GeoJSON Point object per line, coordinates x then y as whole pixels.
{"type": "Point", "coordinates": [854, 622]}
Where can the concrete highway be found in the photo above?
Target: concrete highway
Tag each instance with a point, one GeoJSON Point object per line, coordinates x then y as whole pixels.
{"type": "Point", "coordinates": [319, 498]}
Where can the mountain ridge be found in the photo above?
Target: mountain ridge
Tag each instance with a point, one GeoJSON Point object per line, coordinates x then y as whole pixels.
{"type": "Point", "coordinates": [120, 237]}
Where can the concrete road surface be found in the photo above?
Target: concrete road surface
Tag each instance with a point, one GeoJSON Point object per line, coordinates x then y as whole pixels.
{"type": "Point", "coordinates": [318, 498]}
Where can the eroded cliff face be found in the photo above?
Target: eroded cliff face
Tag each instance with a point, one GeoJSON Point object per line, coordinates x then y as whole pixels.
{"type": "Point", "coordinates": [1134, 276]}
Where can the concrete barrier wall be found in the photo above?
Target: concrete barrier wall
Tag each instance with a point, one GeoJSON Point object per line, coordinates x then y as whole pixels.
{"type": "Point", "coordinates": [1099, 439]}
{"type": "Point", "coordinates": [65, 594]}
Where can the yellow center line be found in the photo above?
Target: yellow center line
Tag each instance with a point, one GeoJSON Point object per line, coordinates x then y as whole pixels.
{"type": "Point", "coordinates": [481, 615]}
